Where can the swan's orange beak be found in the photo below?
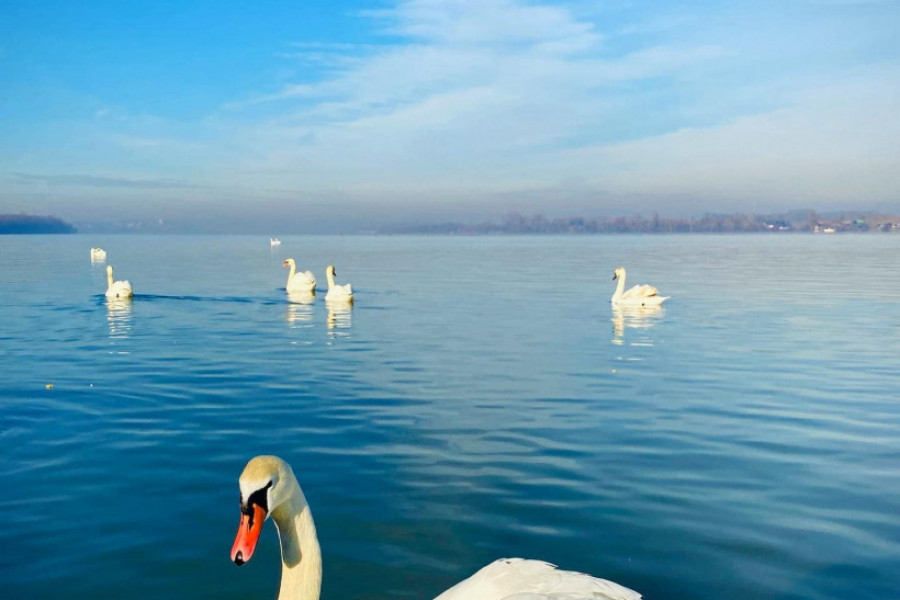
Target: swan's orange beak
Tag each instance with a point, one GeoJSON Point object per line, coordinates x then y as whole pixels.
{"type": "Point", "coordinates": [248, 534]}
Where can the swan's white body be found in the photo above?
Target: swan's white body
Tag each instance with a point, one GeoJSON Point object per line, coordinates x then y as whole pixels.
{"type": "Point", "coordinates": [98, 254]}
{"type": "Point", "coordinates": [639, 295]}
{"type": "Point", "coordinates": [117, 289]}
{"type": "Point", "coordinates": [337, 293]}
{"type": "Point", "coordinates": [299, 281]}
{"type": "Point", "coordinates": [268, 487]}
{"type": "Point", "coordinates": [274, 242]}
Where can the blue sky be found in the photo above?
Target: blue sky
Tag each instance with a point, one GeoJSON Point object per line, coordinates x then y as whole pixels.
{"type": "Point", "coordinates": [397, 110]}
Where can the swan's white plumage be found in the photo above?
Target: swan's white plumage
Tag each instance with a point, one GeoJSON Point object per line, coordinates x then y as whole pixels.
{"type": "Point", "coordinates": [117, 289]}
{"type": "Point", "coordinates": [299, 281]}
{"type": "Point", "coordinates": [98, 254]}
{"type": "Point", "coordinates": [522, 579]}
{"type": "Point", "coordinates": [274, 242]}
{"type": "Point", "coordinates": [638, 295]}
{"type": "Point", "coordinates": [301, 558]}
{"type": "Point", "coordinates": [337, 293]}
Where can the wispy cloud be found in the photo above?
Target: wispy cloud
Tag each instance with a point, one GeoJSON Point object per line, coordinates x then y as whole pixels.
{"type": "Point", "coordinates": [100, 182]}
{"type": "Point", "coordinates": [451, 99]}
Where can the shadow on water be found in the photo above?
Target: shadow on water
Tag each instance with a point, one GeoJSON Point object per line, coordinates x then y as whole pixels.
{"type": "Point", "coordinates": [101, 299]}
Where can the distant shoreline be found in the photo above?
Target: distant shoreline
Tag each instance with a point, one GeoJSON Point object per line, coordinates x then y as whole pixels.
{"type": "Point", "coordinates": [727, 223]}
{"type": "Point", "coordinates": [33, 224]}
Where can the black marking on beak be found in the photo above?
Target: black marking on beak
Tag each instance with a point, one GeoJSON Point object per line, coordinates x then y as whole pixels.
{"type": "Point", "coordinates": [261, 499]}
{"type": "Point", "coordinates": [239, 558]}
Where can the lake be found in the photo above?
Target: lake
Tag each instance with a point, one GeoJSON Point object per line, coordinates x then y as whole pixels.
{"type": "Point", "coordinates": [480, 400]}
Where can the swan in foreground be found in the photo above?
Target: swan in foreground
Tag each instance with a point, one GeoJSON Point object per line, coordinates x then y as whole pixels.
{"type": "Point", "coordinates": [269, 488]}
{"type": "Point", "coordinates": [117, 289]}
{"type": "Point", "coordinates": [298, 281]}
{"type": "Point", "coordinates": [98, 255]}
{"type": "Point", "coordinates": [639, 295]}
{"type": "Point", "coordinates": [337, 292]}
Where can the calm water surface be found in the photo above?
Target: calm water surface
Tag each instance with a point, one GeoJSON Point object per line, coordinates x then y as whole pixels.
{"type": "Point", "coordinates": [480, 400]}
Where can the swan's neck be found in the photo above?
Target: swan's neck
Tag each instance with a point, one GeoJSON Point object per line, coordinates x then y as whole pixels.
{"type": "Point", "coordinates": [330, 278]}
{"type": "Point", "coordinates": [292, 271]}
{"type": "Point", "coordinates": [620, 287]}
{"type": "Point", "coordinates": [301, 559]}
{"type": "Point", "coordinates": [109, 278]}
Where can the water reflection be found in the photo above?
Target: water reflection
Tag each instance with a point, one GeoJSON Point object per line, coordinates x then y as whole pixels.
{"type": "Point", "coordinates": [339, 317]}
{"type": "Point", "coordinates": [633, 317]}
{"type": "Point", "coordinates": [299, 309]}
{"type": "Point", "coordinates": [118, 316]}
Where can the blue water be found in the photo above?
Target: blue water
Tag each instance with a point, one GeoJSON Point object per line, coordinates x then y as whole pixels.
{"type": "Point", "coordinates": [480, 400]}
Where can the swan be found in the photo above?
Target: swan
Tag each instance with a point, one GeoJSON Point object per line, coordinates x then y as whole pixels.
{"type": "Point", "coordinates": [337, 292]}
{"type": "Point", "coordinates": [274, 242]}
{"type": "Point", "coordinates": [639, 295]}
{"type": "Point", "coordinates": [98, 254]}
{"type": "Point", "coordinates": [269, 488]}
{"type": "Point", "coordinates": [117, 289]}
{"type": "Point", "coordinates": [302, 281]}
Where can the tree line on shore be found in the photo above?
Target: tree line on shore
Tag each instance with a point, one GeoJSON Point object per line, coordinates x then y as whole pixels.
{"type": "Point", "coordinates": [24, 224]}
{"type": "Point", "coordinates": [516, 223]}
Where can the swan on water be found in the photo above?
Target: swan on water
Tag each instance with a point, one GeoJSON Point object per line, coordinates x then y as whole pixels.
{"type": "Point", "coordinates": [298, 281]}
{"type": "Point", "coordinates": [117, 289]}
{"type": "Point", "coordinates": [274, 242]}
{"type": "Point", "coordinates": [338, 293]}
{"type": "Point", "coordinates": [98, 255]}
{"type": "Point", "coordinates": [639, 295]}
{"type": "Point", "coordinates": [269, 488]}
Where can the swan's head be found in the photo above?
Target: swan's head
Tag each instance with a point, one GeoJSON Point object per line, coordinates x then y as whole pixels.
{"type": "Point", "coordinates": [289, 262]}
{"type": "Point", "coordinates": [619, 272]}
{"type": "Point", "coordinates": [267, 482]}
{"type": "Point", "coordinates": [109, 270]}
{"type": "Point", "coordinates": [329, 270]}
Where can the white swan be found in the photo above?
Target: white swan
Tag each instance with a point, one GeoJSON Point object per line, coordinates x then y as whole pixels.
{"type": "Point", "coordinates": [98, 255]}
{"type": "Point", "coordinates": [298, 281]}
{"type": "Point", "coordinates": [337, 293]}
{"type": "Point", "coordinates": [639, 295]}
{"type": "Point", "coordinates": [269, 488]}
{"type": "Point", "coordinates": [274, 242]}
{"type": "Point", "coordinates": [117, 289]}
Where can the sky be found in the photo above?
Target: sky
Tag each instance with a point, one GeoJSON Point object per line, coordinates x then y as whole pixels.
{"type": "Point", "coordinates": [332, 115]}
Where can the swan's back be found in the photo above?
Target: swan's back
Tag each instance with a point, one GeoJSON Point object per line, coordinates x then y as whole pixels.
{"type": "Point", "coordinates": [641, 291]}
{"type": "Point", "coordinates": [120, 289]}
{"type": "Point", "coordinates": [302, 279]}
{"type": "Point", "coordinates": [521, 579]}
{"type": "Point", "coordinates": [340, 292]}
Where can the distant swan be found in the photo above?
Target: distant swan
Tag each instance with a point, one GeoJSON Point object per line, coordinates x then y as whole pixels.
{"type": "Point", "coordinates": [337, 292]}
{"type": "Point", "coordinates": [98, 255]}
{"type": "Point", "coordinates": [270, 489]}
{"type": "Point", "coordinates": [117, 289]}
{"type": "Point", "coordinates": [274, 242]}
{"type": "Point", "coordinates": [639, 295]}
{"type": "Point", "coordinates": [299, 281]}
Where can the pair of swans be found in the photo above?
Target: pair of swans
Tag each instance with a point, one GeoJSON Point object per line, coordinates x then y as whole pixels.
{"type": "Point", "coordinates": [117, 289]}
{"type": "Point", "coordinates": [269, 488]}
{"type": "Point", "coordinates": [304, 282]}
{"type": "Point", "coordinates": [640, 295]}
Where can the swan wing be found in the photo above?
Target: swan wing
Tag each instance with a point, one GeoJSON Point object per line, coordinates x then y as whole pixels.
{"type": "Point", "coordinates": [521, 579]}
{"type": "Point", "coordinates": [640, 291]}
{"type": "Point", "coordinates": [302, 279]}
{"type": "Point", "coordinates": [120, 289]}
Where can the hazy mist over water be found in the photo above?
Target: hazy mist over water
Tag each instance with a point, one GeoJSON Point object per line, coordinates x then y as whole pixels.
{"type": "Point", "coordinates": [481, 399]}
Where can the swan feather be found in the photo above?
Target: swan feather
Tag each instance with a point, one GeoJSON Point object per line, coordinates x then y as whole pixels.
{"type": "Point", "coordinates": [524, 579]}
